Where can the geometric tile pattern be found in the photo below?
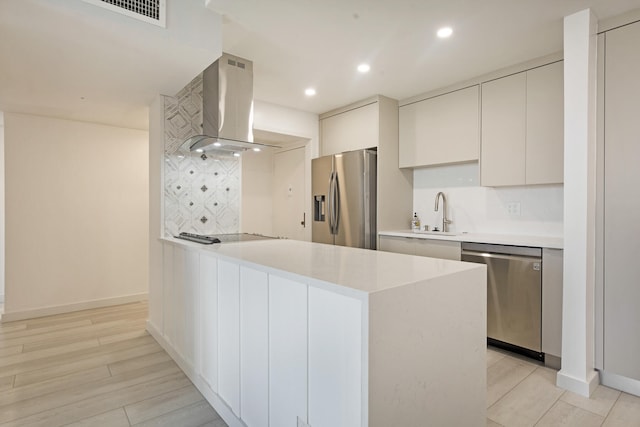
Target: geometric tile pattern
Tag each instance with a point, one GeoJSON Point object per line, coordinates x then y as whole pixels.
{"type": "Point", "coordinates": [201, 191]}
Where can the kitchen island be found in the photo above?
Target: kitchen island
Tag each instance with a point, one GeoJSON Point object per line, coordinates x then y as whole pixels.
{"type": "Point", "coordinates": [290, 333]}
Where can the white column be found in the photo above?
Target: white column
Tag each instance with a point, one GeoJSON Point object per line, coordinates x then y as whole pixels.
{"type": "Point", "coordinates": [580, 49]}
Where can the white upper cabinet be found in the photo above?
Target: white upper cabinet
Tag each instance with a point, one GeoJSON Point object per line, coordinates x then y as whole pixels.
{"type": "Point", "coordinates": [545, 124]}
{"type": "Point", "coordinates": [440, 130]}
{"type": "Point", "coordinates": [523, 128]}
{"type": "Point", "coordinates": [504, 131]}
{"type": "Point", "coordinates": [350, 130]}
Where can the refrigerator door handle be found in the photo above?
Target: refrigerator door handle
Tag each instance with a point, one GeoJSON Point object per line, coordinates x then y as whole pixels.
{"type": "Point", "coordinates": [330, 203]}
{"type": "Point", "coordinates": [336, 204]}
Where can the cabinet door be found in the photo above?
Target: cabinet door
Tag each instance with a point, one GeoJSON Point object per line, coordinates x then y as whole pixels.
{"type": "Point", "coordinates": [209, 321]}
{"type": "Point", "coordinates": [190, 308]}
{"type": "Point", "coordinates": [176, 328]}
{"type": "Point", "coordinates": [168, 323]}
{"type": "Point", "coordinates": [335, 360]}
{"type": "Point", "coordinates": [440, 130]}
{"type": "Point", "coordinates": [434, 248]}
{"type": "Point", "coordinates": [287, 352]}
{"type": "Point", "coordinates": [552, 301]}
{"type": "Point", "coordinates": [621, 204]}
{"type": "Point", "coordinates": [352, 130]}
{"type": "Point", "coordinates": [545, 125]}
{"type": "Point", "coordinates": [400, 245]}
{"type": "Point", "coordinates": [503, 150]}
{"type": "Point", "coordinates": [254, 344]}
{"type": "Point", "coordinates": [229, 334]}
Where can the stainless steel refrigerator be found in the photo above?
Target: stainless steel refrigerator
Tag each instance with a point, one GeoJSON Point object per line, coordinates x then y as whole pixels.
{"type": "Point", "coordinates": [344, 199]}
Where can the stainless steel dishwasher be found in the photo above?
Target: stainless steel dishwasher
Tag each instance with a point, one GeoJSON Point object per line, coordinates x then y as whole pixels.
{"type": "Point", "coordinates": [514, 295]}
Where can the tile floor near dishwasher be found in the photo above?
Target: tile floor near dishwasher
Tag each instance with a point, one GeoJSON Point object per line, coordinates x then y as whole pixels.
{"type": "Point", "coordinates": [100, 368]}
{"type": "Point", "coordinates": [521, 392]}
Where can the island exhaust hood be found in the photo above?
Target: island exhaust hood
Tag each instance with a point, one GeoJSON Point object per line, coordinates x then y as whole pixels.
{"type": "Point", "coordinates": [227, 107]}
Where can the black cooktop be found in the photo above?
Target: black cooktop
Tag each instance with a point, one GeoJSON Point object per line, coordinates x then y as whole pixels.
{"type": "Point", "coordinates": [221, 238]}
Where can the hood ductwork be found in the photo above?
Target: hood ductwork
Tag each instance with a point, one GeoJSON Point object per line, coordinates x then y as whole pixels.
{"type": "Point", "coordinates": [227, 107]}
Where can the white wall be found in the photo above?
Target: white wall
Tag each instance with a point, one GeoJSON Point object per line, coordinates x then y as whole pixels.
{"type": "Point", "coordinates": [476, 209]}
{"type": "Point", "coordinates": [76, 215]}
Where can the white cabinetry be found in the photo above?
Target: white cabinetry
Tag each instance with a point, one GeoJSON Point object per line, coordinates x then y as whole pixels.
{"type": "Point", "coordinates": [522, 128]}
{"type": "Point", "coordinates": [399, 245]}
{"type": "Point", "coordinates": [335, 377]}
{"type": "Point", "coordinates": [229, 334]}
{"type": "Point", "coordinates": [287, 352]}
{"type": "Point", "coordinates": [552, 306]}
{"type": "Point", "coordinates": [433, 248]}
{"type": "Point", "coordinates": [621, 206]}
{"type": "Point", "coordinates": [273, 348]}
{"type": "Point", "coordinates": [254, 345]}
{"type": "Point", "coordinates": [545, 125]}
{"type": "Point", "coordinates": [209, 321]}
{"type": "Point", "coordinates": [350, 130]}
{"type": "Point", "coordinates": [440, 130]}
{"type": "Point", "coordinates": [180, 296]}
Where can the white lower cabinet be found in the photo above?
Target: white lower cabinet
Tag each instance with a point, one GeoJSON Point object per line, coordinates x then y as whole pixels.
{"type": "Point", "coordinates": [254, 347]}
{"type": "Point", "coordinates": [287, 352]}
{"type": "Point", "coordinates": [271, 351]}
{"type": "Point", "coordinates": [444, 249]}
{"type": "Point", "coordinates": [209, 321]}
{"type": "Point", "coordinates": [229, 334]}
{"type": "Point", "coordinates": [433, 248]}
{"type": "Point", "coordinates": [168, 322]}
{"type": "Point", "coordinates": [399, 245]}
{"type": "Point", "coordinates": [335, 360]}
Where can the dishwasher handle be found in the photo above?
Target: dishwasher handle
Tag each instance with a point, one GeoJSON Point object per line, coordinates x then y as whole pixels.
{"type": "Point", "coordinates": [509, 257]}
{"type": "Point", "coordinates": [492, 248]}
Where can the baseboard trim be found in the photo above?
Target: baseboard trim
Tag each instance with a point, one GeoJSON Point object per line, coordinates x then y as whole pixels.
{"type": "Point", "coordinates": [577, 385]}
{"type": "Point", "coordinates": [225, 412]}
{"type": "Point", "coordinates": [628, 385]}
{"type": "Point", "coordinates": [67, 308]}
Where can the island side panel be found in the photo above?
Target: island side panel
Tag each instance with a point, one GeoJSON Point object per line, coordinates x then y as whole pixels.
{"type": "Point", "coordinates": [427, 352]}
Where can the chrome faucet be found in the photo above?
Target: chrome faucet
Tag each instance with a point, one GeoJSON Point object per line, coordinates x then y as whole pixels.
{"type": "Point", "coordinates": [445, 221]}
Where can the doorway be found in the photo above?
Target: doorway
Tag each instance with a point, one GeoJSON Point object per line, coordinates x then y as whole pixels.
{"type": "Point", "coordinates": [289, 216]}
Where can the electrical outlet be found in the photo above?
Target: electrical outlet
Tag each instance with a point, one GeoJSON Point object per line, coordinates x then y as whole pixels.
{"type": "Point", "coordinates": [302, 423]}
{"type": "Point", "coordinates": [513, 208]}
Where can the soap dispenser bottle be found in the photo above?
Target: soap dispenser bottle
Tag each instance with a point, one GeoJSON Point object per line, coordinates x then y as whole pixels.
{"type": "Point", "coordinates": [415, 222]}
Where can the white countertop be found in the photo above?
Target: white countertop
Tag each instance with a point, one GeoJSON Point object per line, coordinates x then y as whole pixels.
{"type": "Point", "coordinates": [361, 269]}
{"type": "Point", "coordinates": [500, 239]}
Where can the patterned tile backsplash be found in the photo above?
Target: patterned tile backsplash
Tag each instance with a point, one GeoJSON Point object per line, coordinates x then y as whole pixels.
{"type": "Point", "coordinates": [201, 190]}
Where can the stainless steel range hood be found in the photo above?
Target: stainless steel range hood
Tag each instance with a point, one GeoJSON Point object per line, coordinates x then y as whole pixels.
{"type": "Point", "coordinates": [227, 107]}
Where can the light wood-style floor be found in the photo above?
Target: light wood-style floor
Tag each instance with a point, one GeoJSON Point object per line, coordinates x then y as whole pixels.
{"type": "Point", "coordinates": [94, 368]}
{"type": "Point", "coordinates": [100, 368]}
{"type": "Point", "coordinates": [521, 392]}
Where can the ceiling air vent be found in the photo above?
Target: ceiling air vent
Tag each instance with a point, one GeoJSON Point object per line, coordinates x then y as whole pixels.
{"type": "Point", "coordinates": [151, 11]}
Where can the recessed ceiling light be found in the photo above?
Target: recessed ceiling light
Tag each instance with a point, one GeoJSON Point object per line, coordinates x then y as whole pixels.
{"type": "Point", "coordinates": [445, 32]}
{"type": "Point", "coordinates": [199, 150]}
{"type": "Point", "coordinates": [236, 154]}
{"type": "Point", "coordinates": [256, 149]}
{"type": "Point", "coordinates": [310, 91]}
{"type": "Point", "coordinates": [364, 68]}
{"type": "Point", "coordinates": [217, 144]}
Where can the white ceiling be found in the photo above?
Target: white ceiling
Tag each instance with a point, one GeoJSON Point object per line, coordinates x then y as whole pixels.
{"type": "Point", "coordinates": [70, 59]}
{"type": "Point", "coordinates": [319, 43]}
